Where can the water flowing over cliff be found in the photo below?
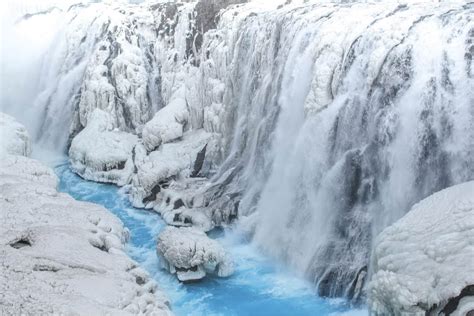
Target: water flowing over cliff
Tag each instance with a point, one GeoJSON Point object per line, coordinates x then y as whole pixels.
{"type": "Point", "coordinates": [331, 119]}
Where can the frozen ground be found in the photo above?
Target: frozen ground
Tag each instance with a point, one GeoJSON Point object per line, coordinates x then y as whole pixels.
{"type": "Point", "coordinates": [61, 256]}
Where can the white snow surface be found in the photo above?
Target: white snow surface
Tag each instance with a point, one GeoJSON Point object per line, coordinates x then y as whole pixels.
{"type": "Point", "coordinates": [102, 154]}
{"type": "Point", "coordinates": [189, 253]}
{"type": "Point", "coordinates": [426, 257]}
{"type": "Point", "coordinates": [61, 256]}
{"type": "Point", "coordinates": [14, 138]}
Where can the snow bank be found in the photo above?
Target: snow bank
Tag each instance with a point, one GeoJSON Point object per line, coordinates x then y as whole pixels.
{"type": "Point", "coordinates": [182, 158]}
{"type": "Point", "coordinates": [14, 138]}
{"type": "Point", "coordinates": [61, 256]}
{"type": "Point", "coordinates": [424, 263]}
{"type": "Point", "coordinates": [102, 154]}
{"type": "Point", "coordinates": [190, 254]}
{"type": "Point", "coordinates": [168, 124]}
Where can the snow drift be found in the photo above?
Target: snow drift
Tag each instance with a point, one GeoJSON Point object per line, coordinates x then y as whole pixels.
{"type": "Point", "coordinates": [423, 263]}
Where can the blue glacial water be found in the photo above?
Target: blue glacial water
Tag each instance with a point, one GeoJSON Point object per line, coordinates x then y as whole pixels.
{"type": "Point", "coordinates": [258, 286]}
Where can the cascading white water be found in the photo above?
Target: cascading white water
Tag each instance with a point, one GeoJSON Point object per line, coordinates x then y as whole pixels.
{"type": "Point", "coordinates": [334, 118]}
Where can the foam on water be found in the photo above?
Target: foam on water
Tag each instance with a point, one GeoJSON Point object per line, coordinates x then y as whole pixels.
{"type": "Point", "coordinates": [258, 286]}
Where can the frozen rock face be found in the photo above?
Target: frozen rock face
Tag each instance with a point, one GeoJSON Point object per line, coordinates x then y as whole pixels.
{"type": "Point", "coordinates": [14, 138]}
{"type": "Point", "coordinates": [101, 153]}
{"type": "Point", "coordinates": [423, 263]}
{"type": "Point", "coordinates": [61, 256]}
{"type": "Point", "coordinates": [190, 254]}
{"type": "Point", "coordinates": [330, 119]}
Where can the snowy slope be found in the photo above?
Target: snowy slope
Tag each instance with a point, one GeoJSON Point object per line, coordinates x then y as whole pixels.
{"type": "Point", "coordinates": [424, 261]}
{"type": "Point", "coordinates": [58, 255]}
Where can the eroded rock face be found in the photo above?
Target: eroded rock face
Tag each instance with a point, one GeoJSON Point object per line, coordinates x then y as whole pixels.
{"type": "Point", "coordinates": [423, 264]}
{"type": "Point", "coordinates": [101, 153]}
{"type": "Point", "coordinates": [190, 254]}
{"type": "Point", "coordinates": [61, 256]}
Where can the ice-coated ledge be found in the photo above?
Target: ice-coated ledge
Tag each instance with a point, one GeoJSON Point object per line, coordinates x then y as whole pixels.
{"type": "Point", "coordinates": [179, 159]}
{"type": "Point", "coordinates": [102, 154]}
{"type": "Point", "coordinates": [14, 138]}
{"type": "Point", "coordinates": [168, 123]}
{"type": "Point", "coordinates": [190, 254]}
{"type": "Point", "coordinates": [61, 256]}
{"type": "Point", "coordinates": [424, 263]}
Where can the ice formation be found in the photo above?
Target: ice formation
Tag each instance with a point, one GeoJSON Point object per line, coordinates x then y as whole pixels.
{"type": "Point", "coordinates": [318, 123]}
{"type": "Point", "coordinates": [190, 254]}
{"type": "Point", "coordinates": [101, 153]}
{"type": "Point", "coordinates": [423, 264]}
{"type": "Point", "coordinates": [167, 125]}
{"type": "Point", "coordinates": [169, 162]}
{"type": "Point", "coordinates": [61, 256]}
{"type": "Point", "coordinates": [14, 139]}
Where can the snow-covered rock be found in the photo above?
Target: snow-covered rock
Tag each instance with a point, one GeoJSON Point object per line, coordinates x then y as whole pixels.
{"type": "Point", "coordinates": [182, 158]}
{"type": "Point", "coordinates": [168, 124]}
{"type": "Point", "coordinates": [102, 154]}
{"type": "Point", "coordinates": [61, 256]}
{"type": "Point", "coordinates": [190, 254]}
{"type": "Point", "coordinates": [424, 263]}
{"type": "Point", "coordinates": [14, 138]}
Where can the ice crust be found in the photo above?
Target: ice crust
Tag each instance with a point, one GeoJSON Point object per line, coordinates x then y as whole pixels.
{"type": "Point", "coordinates": [190, 254]}
{"type": "Point", "coordinates": [101, 153]}
{"type": "Point", "coordinates": [426, 258]}
{"type": "Point", "coordinates": [14, 138]}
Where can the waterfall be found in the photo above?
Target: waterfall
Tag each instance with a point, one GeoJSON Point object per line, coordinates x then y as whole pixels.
{"type": "Point", "coordinates": [335, 118]}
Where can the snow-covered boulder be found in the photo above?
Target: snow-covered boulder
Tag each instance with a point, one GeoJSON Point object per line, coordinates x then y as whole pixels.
{"type": "Point", "coordinates": [14, 138]}
{"type": "Point", "coordinates": [59, 256]}
{"type": "Point", "coordinates": [190, 254]}
{"type": "Point", "coordinates": [183, 158]}
{"type": "Point", "coordinates": [424, 263]}
{"type": "Point", "coordinates": [168, 123]}
{"type": "Point", "coordinates": [102, 154]}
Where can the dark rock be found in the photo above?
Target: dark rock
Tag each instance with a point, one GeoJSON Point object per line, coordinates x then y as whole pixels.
{"type": "Point", "coordinates": [23, 242]}
{"type": "Point", "coordinates": [178, 203]}
{"type": "Point", "coordinates": [152, 197]}
{"type": "Point", "coordinates": [199, 162]}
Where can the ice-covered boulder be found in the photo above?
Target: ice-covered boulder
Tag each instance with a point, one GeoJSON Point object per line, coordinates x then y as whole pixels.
{"type": "Point", "coordinates": [424, 263]}
{"type": "Point", "coordinates": [101, 153]}
{"type": "Point", "coordinates": [59, 256]}
{"type": "Point", "coordinates": [168, 123]}
{"type": "Point", "coordinates": [14, 138]}
{"type": "Point", "coordinates": [183, 158]}
{"type": "Point", "coordinates": [190, 254]}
